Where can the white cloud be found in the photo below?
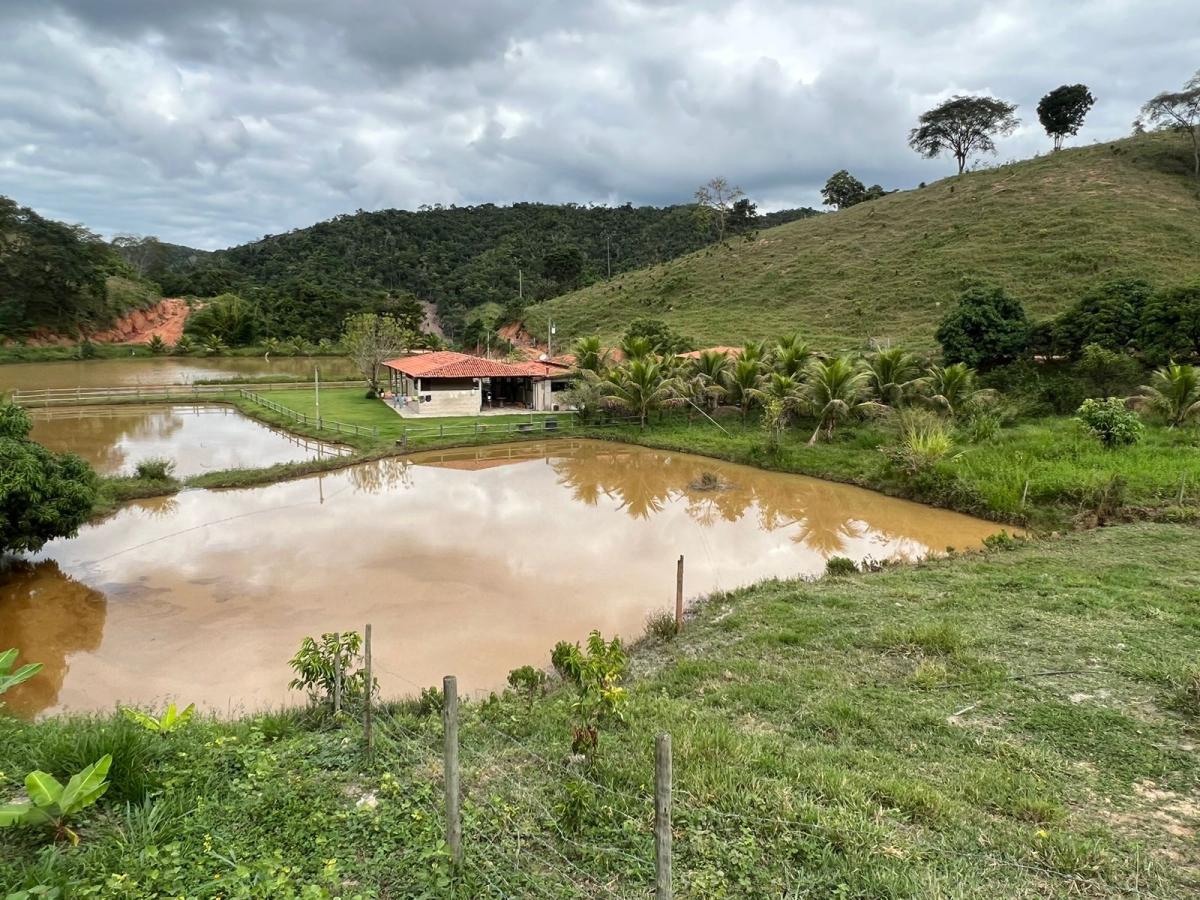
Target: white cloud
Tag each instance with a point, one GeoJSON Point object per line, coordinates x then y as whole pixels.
{"type": "Point", "coordinates": [214, 124]}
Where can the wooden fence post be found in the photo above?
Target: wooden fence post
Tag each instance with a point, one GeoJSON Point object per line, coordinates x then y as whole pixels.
{"type": "Point", "coordinates": [367, 729]}
{"type": "Point", "coordinates": [662, 817]}
{"type": "Point", "coordinates": [679, 595]}
{"type": "Point", "coordinates": [450, 766]}
{"type": "Point", "coordinates": [337, 674]}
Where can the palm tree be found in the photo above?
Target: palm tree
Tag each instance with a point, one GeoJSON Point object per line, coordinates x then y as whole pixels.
{"type": "Point", "coordinates": [790, 356]}
{"type": "Point", "coordinates": [953, 389]}
{"type": "Point", "coordinates": [743, 379]}
{"type": "Point", "coordinates": [754, 351]}
{"type": "Point", "coordinates": [590, 355]}
{"type": "Point", "coordinates": [834, 391]}
{"type": "Point", "coordinates": [641, 385]}
{"type": "Point", "coordinates": [637, 347]}
{"type": "Point", "coordinates": [1174, 391]}
{"type": "Point", "coordinates": [709, 372]}
{"type": "Point", "coordinates": [893, 375]}
{"type": "Point", "coordinates": [783, 390]}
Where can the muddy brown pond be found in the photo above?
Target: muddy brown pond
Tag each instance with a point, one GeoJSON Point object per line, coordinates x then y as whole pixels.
{"type": "Point", "coordinates": [464, 562]}
{"type": "Point", "coordinates": [99, 373]}
{"type": "Point", "coordinates": [198, 438]}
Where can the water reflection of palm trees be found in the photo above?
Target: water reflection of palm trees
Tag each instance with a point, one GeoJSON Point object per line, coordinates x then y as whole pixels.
{"type": "Point", "coordinates": [48, 617]}
{"type": "Point", "coordinates": [825, 517]}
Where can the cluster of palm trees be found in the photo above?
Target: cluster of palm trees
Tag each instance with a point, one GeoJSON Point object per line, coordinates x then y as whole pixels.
{"type": "Point", "coordinates": [786, 379]}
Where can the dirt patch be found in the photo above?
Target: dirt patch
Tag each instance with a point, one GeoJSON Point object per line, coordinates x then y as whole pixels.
{"type": "Point", "coordinates": [164, 319]}
{"type": "Point", "coordinates": [1173, 818]}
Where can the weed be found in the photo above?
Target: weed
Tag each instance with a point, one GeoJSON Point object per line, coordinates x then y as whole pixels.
{"type": "Point", "coordinates": [155, 468]}
{"type": "Point", "coordinates": [660, 625]}
{"type": "Point", "coordinates": [839, 566]}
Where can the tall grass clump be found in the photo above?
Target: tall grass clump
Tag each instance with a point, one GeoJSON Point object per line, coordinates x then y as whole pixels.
{"type": "Point", "coordinates": [925, 440]}
{"type": "Point", "coordinates": [69, 745]}
{"type": "Point", "coordinates": [155, 468]}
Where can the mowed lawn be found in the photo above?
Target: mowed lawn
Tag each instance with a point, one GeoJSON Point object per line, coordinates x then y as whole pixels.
{"type": "Point", "coordinates": [352, 406]}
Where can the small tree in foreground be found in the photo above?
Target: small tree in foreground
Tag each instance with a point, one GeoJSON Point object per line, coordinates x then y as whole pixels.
{"type": "Point", "coordinates": [963, 126]}
{"type": "Point", "coordinates": [1110, 421]}
{"type": "Point", "coordinates": [1063, 110]}
{"type": "Point", "coordinates": [43, 495]}
{"type": "Point", "coordinates": [370, 340]}
{"type": "Point", "coordinates": [1180, 111]}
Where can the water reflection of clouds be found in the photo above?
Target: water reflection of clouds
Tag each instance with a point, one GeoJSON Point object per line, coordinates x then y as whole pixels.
{"type": "Point", "coordinates": [461, 564]}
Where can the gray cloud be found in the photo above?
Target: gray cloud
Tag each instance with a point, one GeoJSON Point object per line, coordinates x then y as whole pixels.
{"type": "Point", "coordinates": [210, 124]}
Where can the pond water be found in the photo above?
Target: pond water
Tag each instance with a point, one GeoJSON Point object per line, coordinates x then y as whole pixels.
{"type": "Point", "coordinates": [97, 373]}
{"type": "Point", "coordinates": [465, 562]}
{"type": "Point", "coordinates": [199, 438]}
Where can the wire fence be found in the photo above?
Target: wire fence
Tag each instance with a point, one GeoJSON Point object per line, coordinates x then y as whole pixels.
{"type": "Point", "coordinates": [318, 422]}
{"type": "Point", "coordinates": [509, 830]}
{"type": "Point", "coordinates": [534, 425]}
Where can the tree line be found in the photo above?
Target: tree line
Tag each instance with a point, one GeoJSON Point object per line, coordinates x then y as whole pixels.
{"type": "Point", "coordinates": [459, 257]}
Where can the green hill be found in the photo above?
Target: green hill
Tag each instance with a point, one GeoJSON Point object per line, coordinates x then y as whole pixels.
{"type": "Point", "coordinates": [1046, 229]}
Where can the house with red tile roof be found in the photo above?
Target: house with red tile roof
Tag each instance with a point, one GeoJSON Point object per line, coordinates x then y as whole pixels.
{"type": "Point", "coordinates": [446, 383]}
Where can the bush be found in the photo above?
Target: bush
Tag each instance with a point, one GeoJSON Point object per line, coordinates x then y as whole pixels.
{"type": "Point", "coordinates": [156, 468]}
{"type": "Point", "coordinates": [925, 440]}
{"type": "Point", "coordinates": [987, 328]}
{"type": "Point", "coordinates": [661, 625]}
{"type": "Point", "coordinates": [1171, 324]}
{"type": "Point", "coordinates": [981, 427]}
{"type": "Point", "coordinates": [838, 566]}
{"type": "Point", "coordinates": [1110, 422]}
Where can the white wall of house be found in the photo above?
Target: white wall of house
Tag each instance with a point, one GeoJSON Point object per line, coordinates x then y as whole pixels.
{"type": "Point", "coordinates": [450, 402]}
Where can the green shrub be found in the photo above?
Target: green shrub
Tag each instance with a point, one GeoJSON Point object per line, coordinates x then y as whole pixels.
{"type": "Point", "coordinates": [661, 625]}
{"type": "Point", "coordinates": [560, 657]}
{"type": "Point", "coordinates": [925, 440]}
{"type": "Point", "coordinates": [987, 328]}
{"type": "Point", "coordinates": [838, 566]}
{"type": "Point", "coordinates": [1110, 421]}
{"type": "Point", "coordinates": [156, 468]}
{"type": "Point", "coordinates": [430, 702]}
{"type": "Point", "coordinates": [527, 681]}
{"type": "Point", "coordinates": [981, 427]}
{"type": "Point", "coordinates": [52, 804]}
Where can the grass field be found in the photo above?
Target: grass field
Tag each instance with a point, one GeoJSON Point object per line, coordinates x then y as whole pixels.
{"type": "Point", "coordinates": [1046, 229]}
{"type": "Point", "coordinates": [1021, 724]}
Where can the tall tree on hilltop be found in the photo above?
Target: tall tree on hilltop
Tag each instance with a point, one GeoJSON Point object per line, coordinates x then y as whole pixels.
{"type": "Point", "coordinates": [1179, 111]}
{"type": "Point", "coordinates": [964, 126]}
{"type": "Point", "coordinates": [1063, 110]}
{"type": "Point", "coordinates": [716, 201]}
{"type": "Point", "coordinates": [843, 190]}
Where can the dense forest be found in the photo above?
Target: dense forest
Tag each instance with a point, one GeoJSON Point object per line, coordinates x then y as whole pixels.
{"type": "Point", "coordinates": [59, 277]}
{"type": "Point", "coordinates": [459, 257]}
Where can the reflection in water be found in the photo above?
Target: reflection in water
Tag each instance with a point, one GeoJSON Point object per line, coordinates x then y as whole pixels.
{"type": "Point", "coordinates": [198, 437]}
{"type": "Point", "coordinates": [95, 373]}
{"type": "Point", "coordinates": [48, 617]}
{"type": "Point", "coordinates": [467, 562]}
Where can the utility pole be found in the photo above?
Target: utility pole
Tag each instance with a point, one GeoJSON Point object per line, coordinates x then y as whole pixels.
{"type": "Point", "coordinates": [608, 254]}
{"type": "Point", "coordinates": [550, 339]}
{"type": "Point", "coordinates": [317, 390]}
{"type": "Point", "coordinates": [520, 284]}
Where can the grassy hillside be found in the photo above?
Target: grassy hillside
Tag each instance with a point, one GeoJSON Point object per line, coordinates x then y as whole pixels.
{"type": "Point", "coordinates": [1046, 229]}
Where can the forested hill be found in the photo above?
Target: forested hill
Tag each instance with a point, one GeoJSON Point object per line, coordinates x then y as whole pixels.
{"type": "Point", "coordinates": [459, 257]}
{"type": "Point", "coordinates": [1047, 230]}
{"type": "Point", "coordinates": [61, 278]}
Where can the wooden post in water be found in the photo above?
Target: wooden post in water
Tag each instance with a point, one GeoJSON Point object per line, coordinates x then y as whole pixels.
{"type": "Point", "coordinates": [450, 767]}
{"type": "Point", "coordinates": [367, 730]}
{"type": "Point", "coordinates": [662, 817]}
{"type": "Point", "coordinates": [337, 674]}
{"type": "Point", "coordinates": [679, 595]}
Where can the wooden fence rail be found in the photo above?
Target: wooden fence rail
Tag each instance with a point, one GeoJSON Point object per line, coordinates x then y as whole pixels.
{"type": "Point", "coordinates": [320, 423]}
{"type": "Point", "coordinates": [149, 392]}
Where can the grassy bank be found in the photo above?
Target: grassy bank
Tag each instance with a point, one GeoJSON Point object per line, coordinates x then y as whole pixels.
{"type": "Point", "coordinates": [894, 734]}
{"type": "Point", "coordinates": [1045, 473]}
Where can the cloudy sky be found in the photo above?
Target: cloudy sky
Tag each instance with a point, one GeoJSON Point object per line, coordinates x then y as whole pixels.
{"type": "Point", "coordinates": [214, 123]}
